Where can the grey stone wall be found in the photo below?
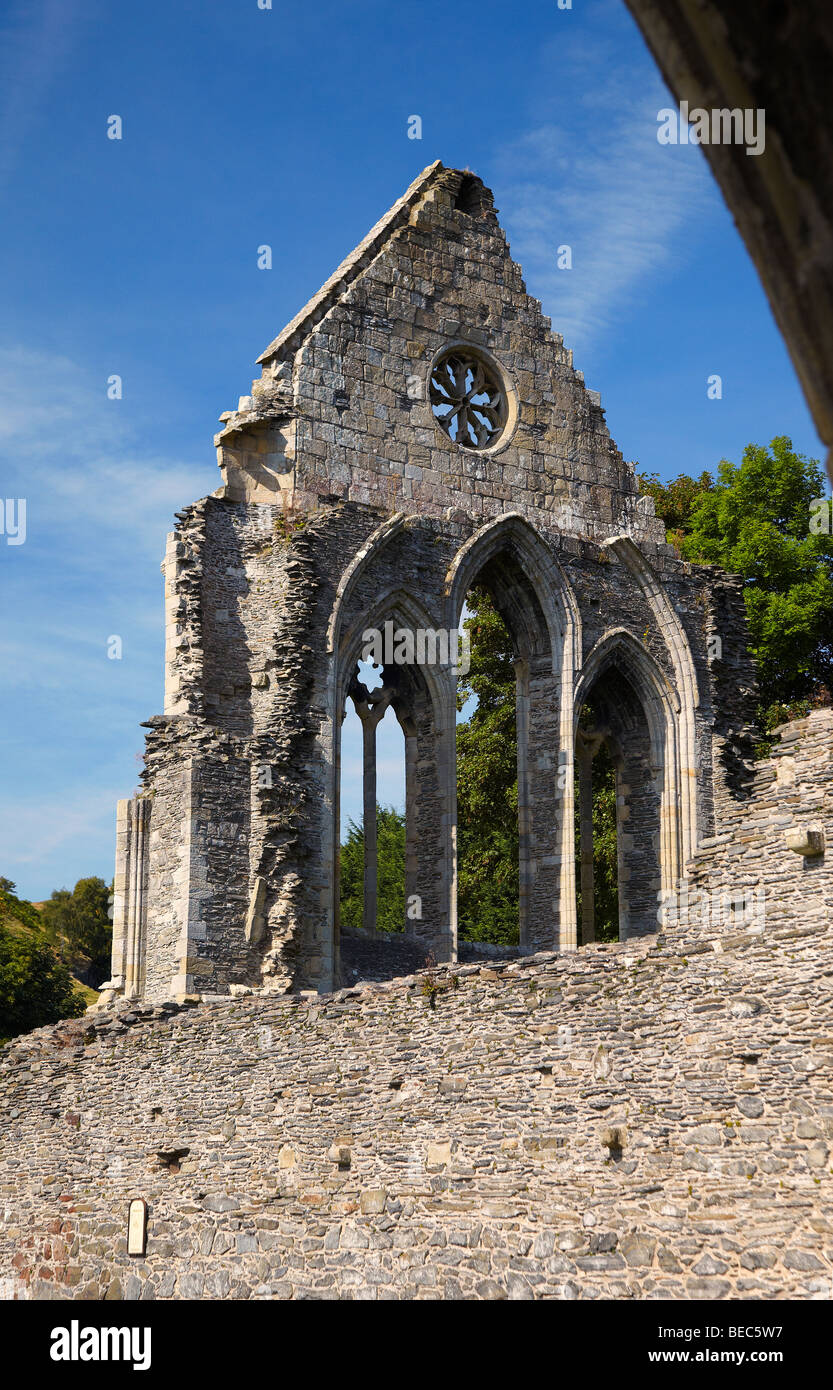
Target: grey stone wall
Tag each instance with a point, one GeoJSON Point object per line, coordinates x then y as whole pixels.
{"type": "Point", "coordinates": [783, 797]}
{"type": "Point", "coordinates": [634, 1121]}
{"type": "Point", "coordinates": [352, 376]}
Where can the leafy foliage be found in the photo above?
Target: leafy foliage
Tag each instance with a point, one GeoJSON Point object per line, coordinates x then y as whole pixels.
{"type": "Point", "coordinates": [17, 909]}
{"type": "Point", "coordinates": [755, 521]}
{"type": "Point", "coordinates": [77, 924]}
{"type": "Point", "coordinates": [487, 794]}
{"type": "Point", "coordinates": [675, 501]}
{"type": "Point", "coordinates": [390, 872]}
{"type": "Point", "coordinates": [605, 868]}
{"type": "Point", "coordinates": [36, 987]}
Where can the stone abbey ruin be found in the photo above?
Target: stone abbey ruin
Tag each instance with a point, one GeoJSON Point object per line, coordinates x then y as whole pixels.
{"type": "Point", "coordinates": [650, 1119]}
{"type": "Point", "coordinates": [416, 429]}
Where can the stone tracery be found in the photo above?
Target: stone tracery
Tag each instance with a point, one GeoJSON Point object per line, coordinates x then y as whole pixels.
{"type": "Point", "coordinates": [467, 400]}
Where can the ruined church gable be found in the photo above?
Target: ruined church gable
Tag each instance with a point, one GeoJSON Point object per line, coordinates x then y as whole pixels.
{"type": "Point", "coordinates": [417, 430]}
{"type": "Point", "coordinates": [347, 406]}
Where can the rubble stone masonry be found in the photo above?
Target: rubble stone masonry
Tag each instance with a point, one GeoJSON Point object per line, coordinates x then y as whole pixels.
{"type": "Point", "coordinates": [647, 1120]}
{"type": "Point", "coordinates": [627, 1121]}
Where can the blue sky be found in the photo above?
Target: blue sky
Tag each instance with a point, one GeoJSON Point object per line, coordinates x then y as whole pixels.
{"type": "Point", "coordinates": [138, 257]}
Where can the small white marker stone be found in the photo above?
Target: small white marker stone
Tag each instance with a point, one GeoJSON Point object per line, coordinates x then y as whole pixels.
{"type": "Point", "coordinates": [137, 1221]}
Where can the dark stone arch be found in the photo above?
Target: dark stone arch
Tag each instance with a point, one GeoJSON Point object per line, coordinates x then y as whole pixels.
{"type": "Point", "coordinates": [642, 712]}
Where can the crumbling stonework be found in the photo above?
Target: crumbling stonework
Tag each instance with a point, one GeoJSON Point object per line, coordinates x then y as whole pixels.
{"type": "Point", "coordinates": [649, 1120]}
{"type": "Point", "coordinates": [417, 429]}
{"type": "Point", "coordinates": [769, 863]}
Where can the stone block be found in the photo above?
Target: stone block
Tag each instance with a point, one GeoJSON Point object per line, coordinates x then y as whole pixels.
{"type": "Point", "coordinates": [372, 1201]}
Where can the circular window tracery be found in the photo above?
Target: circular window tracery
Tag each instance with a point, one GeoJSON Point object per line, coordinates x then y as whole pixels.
{"type": "Point", "coordinates": [468, 401]}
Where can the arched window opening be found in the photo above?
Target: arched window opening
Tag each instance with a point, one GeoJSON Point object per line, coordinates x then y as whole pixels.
{"type": "Point", "coordinates": [502, 897]}
{"type": "Point", "coordinates": [471, 196]}
{"type": "Point", "coordinates": [372, 869]}
{"type": "Point", "coordinates": [597, 882]}
{"type": "Point", "coordinates": [487, 779]}
{"type": "Point", "coordinates": [619, 786]}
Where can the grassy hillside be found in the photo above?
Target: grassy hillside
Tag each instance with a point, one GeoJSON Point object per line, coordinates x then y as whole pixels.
{"type": "Point", "coordinates": [22, 919]}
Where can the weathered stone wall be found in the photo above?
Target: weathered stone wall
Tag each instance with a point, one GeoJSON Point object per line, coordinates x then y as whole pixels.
{"type": "Point", "coordinates": [198, 783]}
{"type": "Point", "coordinates": [346, 384]}
{"type": "Point", "coordinates": [621, 1122]}
{"type": "Point", "coordinates": [169, 876]}
{"type": "Point", "coordinates": [784, 796]}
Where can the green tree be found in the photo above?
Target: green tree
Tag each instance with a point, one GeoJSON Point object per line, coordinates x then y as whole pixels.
{"type": "Point", "coordinates": [674, 501]}
{"type": "Point", "coordinates": [755, 521]}
{"type": "Point", "coordinates": [605, 865]}
{"type": "Point", "coordinates": [487, 782]}
{"type": "Point", "coordinates": [390, 872]}
{"type": "Point", "coordinates": [78, 925]}
{"type": "Point", "coordinates": [17, 909]}
{"type": "Point", "coordinates": [36, 987]}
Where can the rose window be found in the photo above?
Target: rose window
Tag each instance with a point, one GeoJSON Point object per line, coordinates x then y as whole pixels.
{"type": "Point", "coordinates": [467, 399]}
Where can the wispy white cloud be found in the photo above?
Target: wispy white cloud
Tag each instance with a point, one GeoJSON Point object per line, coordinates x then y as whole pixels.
{"type": "Point", "coordinates": [627, 206]}
{"type": "Point", "coordinates": [99, 501]}
{"type": "Point", "coordinates": [77, 459]}
{"type": "Point", "coordinates": [33, 829]}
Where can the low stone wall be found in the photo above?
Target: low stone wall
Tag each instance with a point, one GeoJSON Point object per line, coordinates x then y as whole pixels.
{"type": "Point", "coordinates": [381, 955]}
{"type": "Point", "coordinates": [618, 1122]}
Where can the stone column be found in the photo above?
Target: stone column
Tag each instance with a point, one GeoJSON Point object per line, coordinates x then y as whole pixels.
{"type": "Point", "coordinates": [130, 897]}
{"type": "Point", "coordinates": [121, 890]}
{"type": "Point", "coordinates": [134, 979]}
{"type": "Point", "coordinates": [370, 712]}
{"type": "Point", "coordinates": [542, 808]}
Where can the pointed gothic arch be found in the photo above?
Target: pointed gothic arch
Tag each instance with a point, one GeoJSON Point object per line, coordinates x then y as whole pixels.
{"type": "Point", "coordinates": [687, 691]}
{"type": "Point", "coordinates": [354, 571]}
{"type": "Point", "coordinates": [541, 611]}
{"type": "Point", "coordinates": [658, 762]}
{"type": "Point", "coordinates": [424, 704]}
{"type": "Point", "coordinates": [513, 533]}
